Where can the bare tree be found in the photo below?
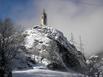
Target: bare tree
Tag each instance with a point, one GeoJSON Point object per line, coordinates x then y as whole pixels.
{"type": "Point", "coordinates": [95, 65]}
{"type": "Point", "coordinates": [9, 44]}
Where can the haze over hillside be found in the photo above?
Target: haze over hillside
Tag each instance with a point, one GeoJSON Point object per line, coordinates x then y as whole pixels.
{"type": "Point", "coordinates": [81, 17]}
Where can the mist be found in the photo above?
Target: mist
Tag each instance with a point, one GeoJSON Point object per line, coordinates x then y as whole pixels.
{"type": "Point", "coordinates": [81, 17]}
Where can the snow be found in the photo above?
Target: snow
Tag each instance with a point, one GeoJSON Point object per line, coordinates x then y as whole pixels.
{"type": "Point", "coordinates": [93, 56]}
{"type": "Point", "coordinates": [32, 36]}
{"type": "Point", "coordinates": [42, 40]}
{"type": "Point", "coordinates": [40, 60]}
{"type": "Point", "coordinates": [39, 70]}
{"type": "Point", "coordinates": [42, 34]}
{"type": "Point", "coordinates": [43, 73]}
{"type": "Point", "coordinates": [45, 34]}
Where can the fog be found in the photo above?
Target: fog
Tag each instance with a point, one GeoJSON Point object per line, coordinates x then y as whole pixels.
{"type": "Point", "coordinates": [80, 17]}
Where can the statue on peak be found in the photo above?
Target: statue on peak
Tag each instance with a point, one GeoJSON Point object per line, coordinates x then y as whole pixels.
{"type": "Point", "coordinates": [43, 19]}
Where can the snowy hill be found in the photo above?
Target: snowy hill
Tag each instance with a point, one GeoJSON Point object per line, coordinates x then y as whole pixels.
{"type": "Point", "coordinates": [49, 46]}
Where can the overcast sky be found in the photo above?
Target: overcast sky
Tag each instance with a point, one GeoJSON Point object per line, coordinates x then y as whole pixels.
{"type": "Point", "coordinates": [81, 17]}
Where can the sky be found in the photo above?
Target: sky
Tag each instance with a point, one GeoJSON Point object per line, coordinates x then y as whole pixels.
{"type": "Point", "coordinates": [80, 17]}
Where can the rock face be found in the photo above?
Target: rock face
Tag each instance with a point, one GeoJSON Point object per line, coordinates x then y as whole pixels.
{"type": "Point", "coordinates": [23, 61]}
{"type": "Point", "coordinates": [50, 47]}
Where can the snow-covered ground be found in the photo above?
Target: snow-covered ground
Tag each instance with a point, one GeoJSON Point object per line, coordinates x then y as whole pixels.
{"type": "Point", "coordinates": [40, 71]}
{"type": "Point", "coordinates": [43, 73]}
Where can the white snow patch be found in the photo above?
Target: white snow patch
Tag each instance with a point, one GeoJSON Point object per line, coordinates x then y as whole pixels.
{"type": "Point", "coordinates": [43, 73]}
{"type": "Point", "coordinates": [44, 61]}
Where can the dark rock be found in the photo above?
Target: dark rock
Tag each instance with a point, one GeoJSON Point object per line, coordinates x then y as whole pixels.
{"type": "Point", "coordinates": [55, 66]}
{"type": "Point", "coordinates": [68, 58]}
{"type": "Point", "coordinates": [31, 60]}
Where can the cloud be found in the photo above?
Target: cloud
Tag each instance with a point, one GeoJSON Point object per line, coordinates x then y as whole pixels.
{"type": "Point", "coordinates": [81, 17]}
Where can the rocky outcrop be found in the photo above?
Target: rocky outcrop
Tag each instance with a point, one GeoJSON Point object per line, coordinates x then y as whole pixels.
{"type": "Point", "coordinates": [49, 45]}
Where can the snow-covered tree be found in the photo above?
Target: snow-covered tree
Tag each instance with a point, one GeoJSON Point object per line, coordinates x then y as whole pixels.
{"type": "Point", "coordinates": [95, 65]}
{"type": "Point", "coordinates": [9, 44]}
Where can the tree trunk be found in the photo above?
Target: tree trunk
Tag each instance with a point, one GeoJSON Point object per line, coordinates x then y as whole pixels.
{"type": "Point", "coordinates": [2, 73]}
{"type": "Point", "coordinates": [10, 74]}
{"type": "Point", "coordinates": [98, 74]}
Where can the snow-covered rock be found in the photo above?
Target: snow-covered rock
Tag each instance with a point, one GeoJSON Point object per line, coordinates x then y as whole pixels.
{"type": "Point", "coordinates": [39, 59]}
{"type": "Point", "coordinates": [53, 47]}
{"type": "Point", "coordinates": [44, 34]}
{"type": "Point", "coordinates": [95, 66]}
